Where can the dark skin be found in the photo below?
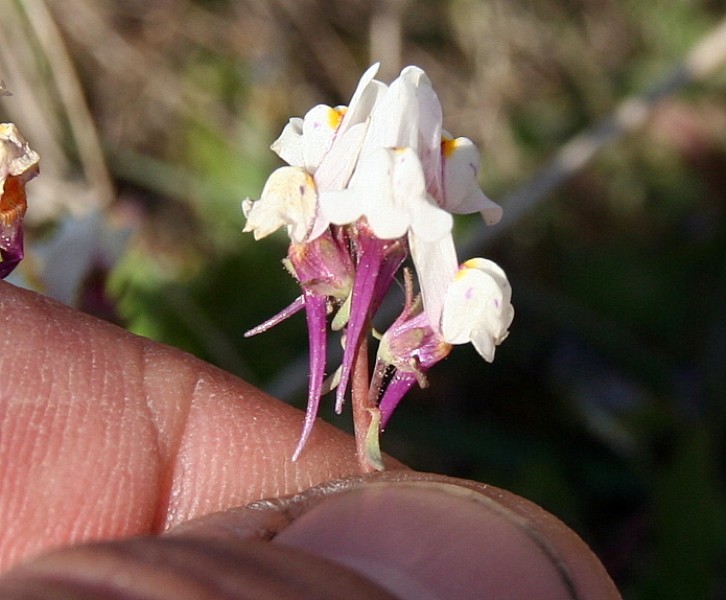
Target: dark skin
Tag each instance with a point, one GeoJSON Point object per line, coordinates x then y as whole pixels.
{"type": "Point", "coordinates": [105, 437]}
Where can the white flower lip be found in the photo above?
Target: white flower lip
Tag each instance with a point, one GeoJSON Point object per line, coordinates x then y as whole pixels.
{"type": "Point", "coordinates": [288, 199]}
{"type": "Point", "coordinates": [477, 307]}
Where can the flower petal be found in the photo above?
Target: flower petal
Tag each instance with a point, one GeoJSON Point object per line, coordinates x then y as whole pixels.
{"type": "Point", "coordinates": [364, 99]}
{"type": "Point", "coordinates": [337, 167]}
{"type": "Point", "coordinates": [318, 131]}
{"type": "Point", "coordinates": [289, 198]}
{"type": "Point", "coordinates": [477, 307]}
{"type": "Point", "coordinates": [394, 118]}
{"type": "Point", "coordinates": [436, 265]}
{"type": "Point", "coordinates": [289, 146]}
{"type": "Point", "coordinates": [462, 194]}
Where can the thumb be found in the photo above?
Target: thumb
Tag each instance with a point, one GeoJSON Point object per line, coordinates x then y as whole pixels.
{"type": "Point", "coordinates": [397, 534]}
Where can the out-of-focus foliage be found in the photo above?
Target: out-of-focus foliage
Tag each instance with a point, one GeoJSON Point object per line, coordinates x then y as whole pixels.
{"type": "Point", "coordinates": [607, 404]}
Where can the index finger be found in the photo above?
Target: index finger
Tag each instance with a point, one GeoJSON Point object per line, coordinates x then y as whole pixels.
{"type": "Point", "coordinates": [105, 434]}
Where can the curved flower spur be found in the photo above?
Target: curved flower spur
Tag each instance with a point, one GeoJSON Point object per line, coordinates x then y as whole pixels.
{"type": "Point", "coordinates": [18, 165]}
{"type": "Point", "coordinates": [367, 186]}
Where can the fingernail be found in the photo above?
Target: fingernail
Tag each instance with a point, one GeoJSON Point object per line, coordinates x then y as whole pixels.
{"type": "Point", "coordinates": [428, 540]}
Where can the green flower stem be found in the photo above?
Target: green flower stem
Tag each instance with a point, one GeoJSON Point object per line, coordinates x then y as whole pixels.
{"type": "Point", "coordinates": [362, 409]}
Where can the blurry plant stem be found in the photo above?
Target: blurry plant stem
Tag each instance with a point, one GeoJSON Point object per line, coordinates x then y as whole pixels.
{"type": "Point", "coordinates": [362, 415]}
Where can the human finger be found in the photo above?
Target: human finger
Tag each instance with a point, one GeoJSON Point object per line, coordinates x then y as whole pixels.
{"type": "Point", "coordinates": [105, 434]}
{"type": "Point", "coordinates": [416, 536]}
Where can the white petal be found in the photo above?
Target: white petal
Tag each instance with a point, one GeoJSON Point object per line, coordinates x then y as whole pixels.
{"type": "Point", "coordinates": [430, 119]}
{"type": "Point", "coordinates": [407, 176]}
{"type": "Point", "coordinates": [394, 119]}
{"type": "Point", "coordinates": [289, 146]}
{"type": "Point", "coordinates": [429, 222]}
{"type": "Point", "coordinates": [390, 224]}
{"type": "Point", "coordinates": [16, 157]}
{"type": "Point", "coordinates": [288, 199]}
{"type": "Point", "coordinates": [462, 194]}
{"type": "Point", "coordinates": [369, 191]}
{"type": "Point", "coordinates": [341, 207]}
{"type": "Point", "coordinates": [484, 344]}
{"type": "Point", "coordinates": [477, 307]}
{"type": "Point", "coordinates": [436, 265]}
{"type": "Point", "coordinates": [337, 167]}
{"type": "Point", "coordinates": [319, 127]}
{"type": "Point", "coordinates": [490, 211]}
{"type": "Point", "coordinates": [363, 100]}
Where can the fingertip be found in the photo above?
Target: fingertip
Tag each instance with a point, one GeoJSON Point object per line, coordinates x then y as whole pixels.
{"type": "Point", "coordinates": [427, 537]}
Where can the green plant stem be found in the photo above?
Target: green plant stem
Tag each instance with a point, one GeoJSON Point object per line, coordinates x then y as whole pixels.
{"type": "Point", "coordinates": [361, 406]}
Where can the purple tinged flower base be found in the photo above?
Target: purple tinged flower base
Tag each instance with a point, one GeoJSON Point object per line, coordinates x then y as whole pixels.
{"type": "Point", "coordinates": [11, 248]}
{"type": "Point", "coordinates": [411, 347]}
{"type": "Point", "coordinates": [18, 165]}
{"type": "Point", "coordinates": [323, 265]}
{"type": "Point", "coordinates": [12, 211]}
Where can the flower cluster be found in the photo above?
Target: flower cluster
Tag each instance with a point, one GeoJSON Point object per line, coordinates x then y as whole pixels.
{"type": "Point", "coordinates": [18, 164]}
{"type": "Point", "coordinates": [367, 186]}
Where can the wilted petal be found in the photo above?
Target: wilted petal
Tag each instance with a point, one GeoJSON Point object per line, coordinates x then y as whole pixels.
{"type": "Point", "coordinates": [477, 307]}
{"type": "Point", "coordinates": [18, 164]}
{"type": "Point", "coordinates": [289, 199]}
{"type": "Point", "coordinates": [16, 157]}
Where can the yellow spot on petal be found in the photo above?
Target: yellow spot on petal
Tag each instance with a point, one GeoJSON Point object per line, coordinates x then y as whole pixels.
{"type": "Point", "coordinates": [335, 116]}
{"type": "Point", "coordinates": [448, 146]}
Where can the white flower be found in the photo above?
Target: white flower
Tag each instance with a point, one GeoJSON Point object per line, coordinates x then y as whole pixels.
{"type": "Point", "coordinates": [477, 307]}
{"type": "Point", "coordinates": [461, 192]}
{"type": "Point", "coordinates": [388, 188]}
{"type": "Point", "coordinates": [289, 199]}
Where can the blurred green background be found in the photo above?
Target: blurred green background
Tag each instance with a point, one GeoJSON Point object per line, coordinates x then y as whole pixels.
{"type": "Point", "coordinates": [607, 403]}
